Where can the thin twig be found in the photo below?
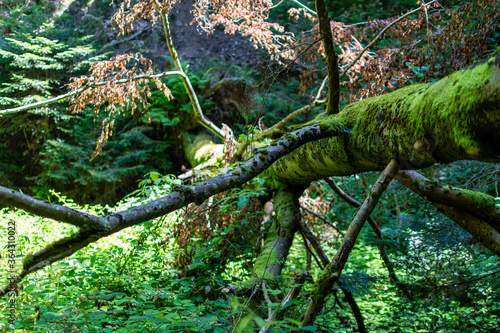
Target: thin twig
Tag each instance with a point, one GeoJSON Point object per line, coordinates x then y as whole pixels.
{"type": "Point", "coordinates": [305, 7]}
{"type": "Point", "coordinates": [323, 219]}
{"type": "Point", "coordinates": [379, 35]}
{"type": "Point", "coordinates": [320, 90]}
{"type": "Point", "coordinates": [309, 249]}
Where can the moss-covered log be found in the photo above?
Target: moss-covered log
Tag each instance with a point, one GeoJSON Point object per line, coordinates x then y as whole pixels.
{"type": "Point", "coordinates": [453, 119]}
{"type": "Point", "coordinates": [279, 238]}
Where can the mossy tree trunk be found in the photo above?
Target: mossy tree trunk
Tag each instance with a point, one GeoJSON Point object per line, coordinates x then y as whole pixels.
{"type": "Point", "coordinates": [456, 118]}
{"type": "Point", "coordinates": [281, 232]}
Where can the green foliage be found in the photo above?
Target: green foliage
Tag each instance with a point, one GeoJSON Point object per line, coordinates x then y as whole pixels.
{"type": "Point", "coordinates": [129, 154]}
{"type": "Point", "coordinates": [170, 274]}
{"type": "Point", "coordinates": [128, 283]}
{"type": "Point", "coordinates": [51, 149]}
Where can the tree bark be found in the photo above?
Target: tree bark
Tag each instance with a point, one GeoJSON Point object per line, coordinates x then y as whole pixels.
{"type": "Point", "coordinates": [456, 118]}
{"type": "Point", "coordinates": [453, 119]}
{"type": "Point", "coordinates": [333, 270]}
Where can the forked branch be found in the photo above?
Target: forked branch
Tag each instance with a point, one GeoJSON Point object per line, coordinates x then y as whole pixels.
{"type": "Point", "coordinates": [93, 227]}
{"type": "Point", "coordinates": [474, 211]}
{"type": "Point", "coordinates": [378, 233]}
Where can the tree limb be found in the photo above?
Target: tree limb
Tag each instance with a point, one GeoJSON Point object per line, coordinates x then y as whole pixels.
{"type": "Point", "coordinates": [331, 58]}
{"type": "Point", "coordinates": [334, 269]}
{"type": "Point", "coordinates": [57, 212]}
{"type": "Point", "coordinates": [82, 89]}
{"type": "Point", "coordinates": [378, 233]}
{"type": "Point", "coordinates": [475, 203]}
{"type": "Point", "coordinates": [480, 225]}
{"type": "Point", "coordinates": [279, 238]}
{"type": "Point", "coordinates": [456, 118]}
{"type": "Point", "coordinates": [180, 197]}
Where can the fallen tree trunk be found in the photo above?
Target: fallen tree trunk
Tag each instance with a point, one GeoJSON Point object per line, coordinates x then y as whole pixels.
{"type": "Point", "coordinates": [455, 118]}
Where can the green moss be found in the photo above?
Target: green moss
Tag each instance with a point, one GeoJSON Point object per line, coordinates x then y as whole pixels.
{"type": "Point", "coordinates": [453, 100]}
{"type": "Point", "coordinates": [422, 124]}
{"type": "Point", "coordinates": [263, 262]}
{"type": "Point", "coordinates": [201, 149]}
{"type": "Point", "coordinates": [28, 260]}
{"type": "Point", "coordinates": [480, 199]}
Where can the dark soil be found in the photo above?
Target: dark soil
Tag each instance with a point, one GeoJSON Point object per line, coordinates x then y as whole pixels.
{"type": "Point", "coordinates": [193, 45]}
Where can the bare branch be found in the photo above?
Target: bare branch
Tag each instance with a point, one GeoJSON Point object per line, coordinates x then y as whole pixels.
{"type": "Point", "coordinates": [305, 7]}
{"type": "Point", "coordinates": [333, 270]}
{"type": "Point", "coordinates": [321, 87]}
{"type": "Point", "coordinates": [313, 240]}
{"type": "Point", "coordinates": [378, 233]}
{"type": "Point", "coordinates": [275, 129]}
